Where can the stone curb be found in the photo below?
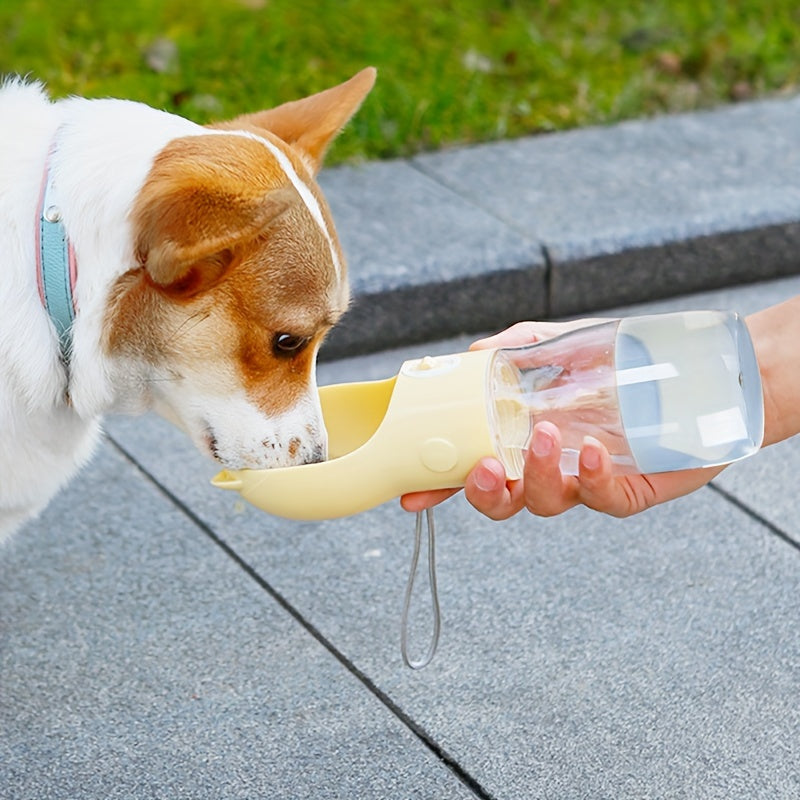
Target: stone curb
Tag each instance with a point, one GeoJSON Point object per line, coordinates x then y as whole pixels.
{"type": "Point", "coordinates": [475, 238]}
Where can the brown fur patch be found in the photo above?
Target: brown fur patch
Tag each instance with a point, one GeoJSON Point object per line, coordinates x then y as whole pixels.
{"type": "Point", "coordinates": [230, 258]}
{"type": "Point", "coordinates": [309, 125]}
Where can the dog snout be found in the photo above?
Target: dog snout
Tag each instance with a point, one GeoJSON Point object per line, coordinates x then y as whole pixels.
{"type": "Point", "coordinates": [256, 445]}
{"type": "Point", "coordinates": [298, 453]}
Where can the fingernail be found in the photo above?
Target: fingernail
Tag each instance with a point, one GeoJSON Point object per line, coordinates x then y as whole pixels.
{"type": "Point", "coordinates": [590, 453]}
{"type": "Point", "coordinates": [485, 479]}
{"type": "Point", "coordinates": [542, 443]}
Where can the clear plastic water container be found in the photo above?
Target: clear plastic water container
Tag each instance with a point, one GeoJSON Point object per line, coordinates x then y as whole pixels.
{"type": "Point", "coordinates": [662, 392]}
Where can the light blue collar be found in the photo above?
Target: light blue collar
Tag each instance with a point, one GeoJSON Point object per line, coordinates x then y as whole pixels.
{"type": "Point", "coordinates": [56, 266]}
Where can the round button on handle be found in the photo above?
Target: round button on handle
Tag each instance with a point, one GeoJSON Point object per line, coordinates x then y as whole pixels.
{"type": "Point", "coordinates": [439, 455]}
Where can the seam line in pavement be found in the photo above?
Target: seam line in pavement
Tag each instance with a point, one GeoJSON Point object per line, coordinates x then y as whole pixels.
{"type": "Point", "coordinates": [754, 515]}
{"type": "Point", "coordinates": [416, 729]}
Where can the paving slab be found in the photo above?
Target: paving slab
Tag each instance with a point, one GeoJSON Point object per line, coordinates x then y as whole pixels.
{"type": "Point", "coordinates": [581, 656]}
{"type": "Point", "coordinates": [763, 486]}
{"type": "Point", "coordinates": [137, 660]}
{"type": "Point", "coordinates": [641, 181]}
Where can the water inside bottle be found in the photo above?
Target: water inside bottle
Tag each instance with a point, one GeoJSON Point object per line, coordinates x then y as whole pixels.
{"type": "Point", "coordinates": [689, 390]}
{"type": "Point", "coordinates": [661, 392]}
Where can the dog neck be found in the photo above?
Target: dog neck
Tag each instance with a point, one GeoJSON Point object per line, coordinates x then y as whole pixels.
{"type": "Point", "coordinates": [99, 162]}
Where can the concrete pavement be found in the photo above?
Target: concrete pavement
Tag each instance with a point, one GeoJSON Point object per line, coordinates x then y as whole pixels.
{"type": "Point", "coordinates": [161, 639]}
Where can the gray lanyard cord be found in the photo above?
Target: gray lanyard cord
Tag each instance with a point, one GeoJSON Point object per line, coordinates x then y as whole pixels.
{"type": "Point", "coordinates": [437, 616]}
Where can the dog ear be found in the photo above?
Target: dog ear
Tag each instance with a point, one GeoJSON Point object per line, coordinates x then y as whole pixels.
{"type": "Point", "coordinates": [204, 196]}
{"type": "Point", "coordinates": [310, 124]}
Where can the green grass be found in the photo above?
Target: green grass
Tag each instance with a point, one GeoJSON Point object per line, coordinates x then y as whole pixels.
{"type": "Point", "coordinates": [449, 72]}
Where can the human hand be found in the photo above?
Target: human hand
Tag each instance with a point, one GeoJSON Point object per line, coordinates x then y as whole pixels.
{"type": "Point", "coordinates": [544, 491]}
{"type": "Point", "coordinates": [491, 470]}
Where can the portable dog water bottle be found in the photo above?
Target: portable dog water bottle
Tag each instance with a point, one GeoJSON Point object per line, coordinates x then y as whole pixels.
{"type": "Point", "coordinates": [662, 392]}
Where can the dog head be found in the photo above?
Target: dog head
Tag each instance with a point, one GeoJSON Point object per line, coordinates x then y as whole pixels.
{"type": "Point", "coordinates": [240, 276]}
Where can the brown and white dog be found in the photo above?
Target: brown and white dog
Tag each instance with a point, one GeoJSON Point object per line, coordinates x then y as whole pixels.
{"type": "Point", "coordinates": [201, 266]}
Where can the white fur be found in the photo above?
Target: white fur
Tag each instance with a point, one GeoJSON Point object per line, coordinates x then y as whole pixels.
{"type": "Point", "coordinates": [104, 150]}
{"type": "Point", "coordinates": [306, 195]}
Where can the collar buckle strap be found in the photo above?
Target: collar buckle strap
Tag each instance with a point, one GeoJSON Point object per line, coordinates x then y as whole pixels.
{"type": "Point", "coordinates": [56, 266]}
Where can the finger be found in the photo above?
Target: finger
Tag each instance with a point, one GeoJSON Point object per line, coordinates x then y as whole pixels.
{"type": "Point", "coordinates": [489, 491]}
{"type": "Point", "coordinates": [532, 331]}
{"type": "Point", "coordinates": [547, 491]}
{"type": "Point", "coordinates": [601, 490]}
{"type": "Point", "coordinates": [598, 488]}
{"type": "Point", "coordinates": [518, 334]}
{"type": "Point", "coordinates": [419, 501]}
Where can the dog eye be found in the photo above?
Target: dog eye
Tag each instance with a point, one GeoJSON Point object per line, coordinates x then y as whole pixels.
{"type": "Point", "coordinates": [286, 344]}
